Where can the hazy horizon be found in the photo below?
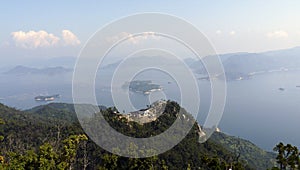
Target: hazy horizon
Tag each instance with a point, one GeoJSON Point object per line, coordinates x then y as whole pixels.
{"type": "Point", "coordinates": [90, 52]}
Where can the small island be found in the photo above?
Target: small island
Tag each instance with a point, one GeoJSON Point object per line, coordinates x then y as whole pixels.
{"type": "Point", "coordinates": [46, 98]}
{"type": "Point", "coordinates": [142, 86]}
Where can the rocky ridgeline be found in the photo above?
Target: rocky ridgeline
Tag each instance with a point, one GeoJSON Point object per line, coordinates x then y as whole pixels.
{"type": "Point", "coordinates": [147, 115]}
{"type": "Point", "coordinates": [155, 110]}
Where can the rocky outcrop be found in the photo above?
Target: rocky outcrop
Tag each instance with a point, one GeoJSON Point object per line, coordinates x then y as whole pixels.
{"type": "Point", "coordinates": [147, 115]}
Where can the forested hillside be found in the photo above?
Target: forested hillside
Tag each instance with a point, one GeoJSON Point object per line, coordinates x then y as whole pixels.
{"type": "Point", "coordinates": [50, 136]}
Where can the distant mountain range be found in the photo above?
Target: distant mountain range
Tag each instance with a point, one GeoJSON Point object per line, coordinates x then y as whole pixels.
{"type": "Point", "coordinates": [42, 61]}
{"type": "Point", "coordinates": [151, 117]}
{"type": "Point", "coordinates": [237, 66]}
{"type": "Point", "coordinates": [244, 65]}
{"type": "Point", "coordinates": [23, 70]}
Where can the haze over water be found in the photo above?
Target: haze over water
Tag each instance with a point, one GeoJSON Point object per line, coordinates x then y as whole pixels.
{"type": "Point", "coordinates": [255, 109]}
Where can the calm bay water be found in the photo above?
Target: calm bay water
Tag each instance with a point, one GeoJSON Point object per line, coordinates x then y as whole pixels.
{"type": "Point", "coordinates": [255, 109]}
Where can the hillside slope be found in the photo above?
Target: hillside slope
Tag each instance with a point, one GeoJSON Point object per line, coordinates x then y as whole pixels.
{"type": "Point", "coordinates": [54, 122]}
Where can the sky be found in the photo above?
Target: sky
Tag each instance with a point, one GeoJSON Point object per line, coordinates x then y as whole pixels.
{"type": "Point", "coordinates": [61, 28]}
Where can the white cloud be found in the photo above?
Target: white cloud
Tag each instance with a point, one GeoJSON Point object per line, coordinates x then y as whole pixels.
{"type": "Point", "coordinates": [117, 37]}
{"type": "Point", "coordinates": [278, 34]}
{"type": "Point", "coordinates": [42, 39]}
{"type": "Point", "coordinates": [70, 38]}
{"type": "Point", "coordinates": [218, 32]}
{"type": "Point", "coordinates": [134, 39]}
{"type": "Point", "coordinates": [34, 39]}
{"type": "Point", "coordinates": [232, 33]}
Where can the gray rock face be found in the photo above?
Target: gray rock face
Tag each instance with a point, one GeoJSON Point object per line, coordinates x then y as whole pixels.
{"type": "Point", "coordinates": [153, 112]}
{"type": "Point", "coordinates": [148, 115]}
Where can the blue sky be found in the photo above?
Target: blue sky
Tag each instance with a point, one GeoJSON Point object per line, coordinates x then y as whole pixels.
{"type": "Point", "coordinates": [232, 26]}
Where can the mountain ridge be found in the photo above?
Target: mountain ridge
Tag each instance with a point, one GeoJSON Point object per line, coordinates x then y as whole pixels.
{"type": "Point", "coordinates": [250, 152]}
{"type": "Point", "coordinates": [23, 70]}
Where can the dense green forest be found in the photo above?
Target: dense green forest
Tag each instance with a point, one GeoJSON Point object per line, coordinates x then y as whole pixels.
{"type": "Point", "coordinates": [50, 137]}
